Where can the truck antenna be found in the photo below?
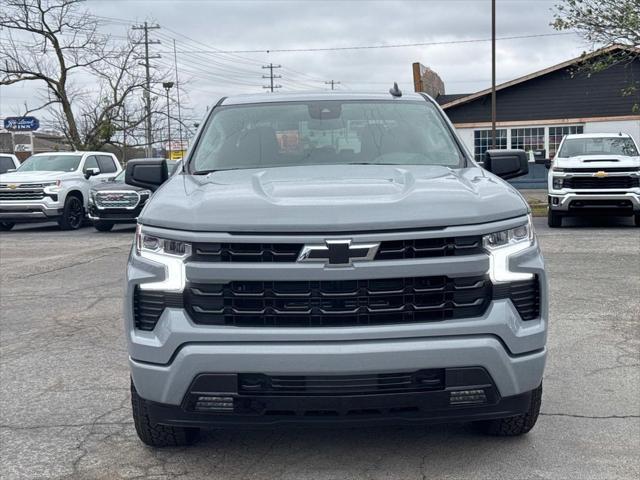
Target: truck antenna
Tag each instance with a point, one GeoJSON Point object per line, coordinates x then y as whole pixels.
{"type": "Point", "coordinates": [395, 91]}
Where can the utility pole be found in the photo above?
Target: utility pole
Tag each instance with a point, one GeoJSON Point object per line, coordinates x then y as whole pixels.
{"type": "Point", "coordinates": [175, 61]}
{"type": "Point", "coordinates": [332, 83]}
{"type": "Point", "coordinates": [147, 93]}
{"type": "Point", "coordinates": [271, 76]}
{"type": "Point", "coordinates": [167, 86]}
{"type": "Point", "coordinates": [493, 74]}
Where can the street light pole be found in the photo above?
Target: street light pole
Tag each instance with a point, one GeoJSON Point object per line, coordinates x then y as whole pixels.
{"type": "Point", "coordinates": [167, 86]}
{"type": "Point", "coordinates": [493, 74]}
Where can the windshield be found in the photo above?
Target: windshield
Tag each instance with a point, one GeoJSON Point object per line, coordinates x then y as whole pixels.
{"type": "Point", "coordinates": [51, 163]}
{"type": "Point", "coordinates": [323, 133]}
{"type": "Point", "coordinates": [573, 147]}
{"type": "Point", "coordinates": [120, 176]}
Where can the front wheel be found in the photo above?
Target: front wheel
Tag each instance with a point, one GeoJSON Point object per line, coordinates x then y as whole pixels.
{"type": "Point", "coordinates": [5, 226]}
{"type": "Point", "coordinates": [72, 214]}
{"type": "Point", "coordinates": [103, 226]}
{"type": "Point", "coordinates": [518, 425]}
{"type": "Point", "coordinates": [637, 219]}
{"type": "Point", "coordinates": [156, 435]}
{"type": "Point", "coordinates": [554, 219]}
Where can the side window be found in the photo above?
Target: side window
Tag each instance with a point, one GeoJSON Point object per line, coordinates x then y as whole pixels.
{"type": "Point", "coordinates": [6, 163]}
{"type": "Point", "coordinates": [106, 164]}
{"type": "Point", "coordinates": [90, 162]}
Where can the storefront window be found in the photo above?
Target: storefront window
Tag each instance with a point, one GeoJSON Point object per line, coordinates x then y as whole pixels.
{"type": "Point", "coordinates": [482, 142]}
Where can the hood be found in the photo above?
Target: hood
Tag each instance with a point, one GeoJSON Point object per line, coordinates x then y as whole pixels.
{"type": "Point", "coordinates": [115, 186]}
{"type": "Point", "coordinates": [36, 176]}
{"type": "Point", "coordinates": [598, 161]}
{"type": "Point", "coordinates": [332, 198]}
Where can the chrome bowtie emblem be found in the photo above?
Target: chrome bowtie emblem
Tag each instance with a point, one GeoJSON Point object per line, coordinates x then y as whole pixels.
{"type": "Point", "coordinates": [338, 252]}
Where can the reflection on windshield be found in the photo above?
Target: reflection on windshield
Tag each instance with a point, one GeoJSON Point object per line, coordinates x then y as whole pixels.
{"type": "Point", "coordinates": [51, 163]}
{"type": "Point", "coordinates": [324, 133]}
{"type": "Point", "coordinates": [574, 147]}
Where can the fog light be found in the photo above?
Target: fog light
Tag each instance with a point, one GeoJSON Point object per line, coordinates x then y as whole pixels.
{"type": "Point", "coordinates": [214, 404]}
{"type": "Point", "coordinates": [467, 397]}
{"type": "Point", "coordinates": [556, 200]}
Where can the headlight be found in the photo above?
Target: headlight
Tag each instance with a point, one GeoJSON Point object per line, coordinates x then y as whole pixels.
{"type": "Point", "coordinates": [501, 245]}
{"type": "Point", "coordinates": [556, 169]}
{"type": "Point", "coordinates": [170, 253]}
{"type": "Point", "coordinates": [52, 187]}
{"type": "Point", "coordinates": [144, 195]}
{"type": "Point", "coordinates": [558, 183]}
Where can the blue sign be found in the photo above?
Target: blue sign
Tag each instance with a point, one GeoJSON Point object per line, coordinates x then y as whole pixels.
{"type": "Point", "coordinates": [21, 124]}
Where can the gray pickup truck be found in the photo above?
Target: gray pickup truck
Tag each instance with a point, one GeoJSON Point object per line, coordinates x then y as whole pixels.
{"type": "Point", "coordinates": [333, 258]}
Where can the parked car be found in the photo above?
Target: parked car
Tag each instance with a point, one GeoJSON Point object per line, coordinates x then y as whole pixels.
{"type": "Point", "coordinates": [53, 186]}
{"type": "Point", "coordinates": [8, 162]}
{"type": "Point", "coordinates": [595, 174]}
{"type": "Point", "coordinates": [333, 258]}
{"type": "Point", "coordinates": [115, 201]}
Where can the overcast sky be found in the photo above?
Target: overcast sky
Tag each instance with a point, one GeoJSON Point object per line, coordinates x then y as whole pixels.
{"type": "Point", "coordinates": [199, 25]}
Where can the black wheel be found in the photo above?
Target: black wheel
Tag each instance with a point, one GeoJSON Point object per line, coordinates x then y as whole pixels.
{"type": "Point", "coordinates": [158, 435]}
{"type": "Point", "coordinates": [637, 220]}
{"type": "Point", "coordinates": [5, 226]}
{"type": "Point", "coordinates": [518, 425]}
{"type": "Point", "coordinates": [103, 226]}
{"type": "Point", "coordinates": [72, 215]}
{"type": "Point", "coordinates": [554, 219]}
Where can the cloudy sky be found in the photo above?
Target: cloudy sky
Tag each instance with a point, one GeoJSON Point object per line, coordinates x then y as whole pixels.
{"type": "Point", "coordinates": [202, 28]}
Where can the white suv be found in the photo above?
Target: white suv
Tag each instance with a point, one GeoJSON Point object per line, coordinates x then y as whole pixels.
{"type": "Point", "coordinates": [595, 173]}
{"type": "Point", "coordinates": [53, 186]}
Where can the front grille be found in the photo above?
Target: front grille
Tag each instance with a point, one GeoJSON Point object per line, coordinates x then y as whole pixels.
{"type": "Point", "coordinates": [20, 194]}
{"type": "Point", "coordinates": [593, 170]}
{"type": "Point", "coordinates": [525, 296]}
{"type": "Point", "coordinates": [288, 252]}
{"type": "Point", "coordinates": [364, 384]}
{"type": "Point", "coordinates": [600, 183]}
{"type": "Point", "coordinates": [337, 303]}
{"type": "Point", "coordinates": [246, 252]}
{"type": "Point", "coordinates": [124, 199]}
{"type": "Point", "coordinates": [149, 305]}
{"type": "Point", "coordinates": [429, 247]}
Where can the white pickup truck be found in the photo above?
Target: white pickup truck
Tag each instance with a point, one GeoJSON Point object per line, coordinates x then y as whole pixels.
{"type": "Point", "coordinates": [53, 186]}
{"type": "Point", "coordinates": [595, 174]}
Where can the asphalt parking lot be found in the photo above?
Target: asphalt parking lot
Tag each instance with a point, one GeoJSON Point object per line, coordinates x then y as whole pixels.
{"type": "Point", "coordinates": [64, 384]}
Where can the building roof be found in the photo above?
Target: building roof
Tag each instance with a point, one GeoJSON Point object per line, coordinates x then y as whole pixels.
{"type": "Point", "coordinates": [469, 97]}
{"type": "Point", "coordinates": [448, 98]}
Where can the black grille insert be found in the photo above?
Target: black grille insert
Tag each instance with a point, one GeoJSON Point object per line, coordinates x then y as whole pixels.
{"type": "Point", "coordinates": [417, 381]}
{"type": "Point", "coordinates": [338, 303]}
{"type": "Point", "coordinates": [598, 183]}
{"type": "Point", "coordinates": [148, 306]}
{"type": "Point", "coordinates": [429, 247]}
{"type": "Point", "coordinates": [525, 296]}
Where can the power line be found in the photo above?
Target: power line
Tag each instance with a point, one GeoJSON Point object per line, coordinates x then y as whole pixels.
{"type": "Point", "coordinates": [370, 47]}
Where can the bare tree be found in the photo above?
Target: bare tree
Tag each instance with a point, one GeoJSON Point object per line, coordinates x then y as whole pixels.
{"type": "Point", "coordinates": [55, 43]}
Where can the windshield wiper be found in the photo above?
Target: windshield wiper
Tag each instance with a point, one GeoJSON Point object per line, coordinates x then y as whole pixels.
{"type": "Point", "coordinates": [204, 172]}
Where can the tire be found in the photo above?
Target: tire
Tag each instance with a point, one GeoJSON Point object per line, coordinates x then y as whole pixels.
{"type": "Point", "coordinates": [514, 426]}
{"type": "Point", "coordinates": [72, 214]}
{"type": "Point", "coordinates": [103, 226]}
{"type": "Point", "coordinates": [158, 435]}
{"type": "Point", "coordinates": [636, 219]}
{"type": "Point", "coordinates": [6, 226]}
{"type": "Point", "coordinates": [554, 220]}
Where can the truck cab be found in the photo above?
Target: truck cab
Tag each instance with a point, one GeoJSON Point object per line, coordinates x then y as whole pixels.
{"type": "Point", "coordinates": [595, 174]}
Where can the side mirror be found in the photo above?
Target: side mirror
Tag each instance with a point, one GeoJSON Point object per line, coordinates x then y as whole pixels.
{"type": "Point", "coordinates": [148, 174]}
{"type": "Point", "coordinates": [544, 161]}
{"type": "Point", "coordinates": [506, 163]}
{"type": "Point", "coordinates": [90, 172]}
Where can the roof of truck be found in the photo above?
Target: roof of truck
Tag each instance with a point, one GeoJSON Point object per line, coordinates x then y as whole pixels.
{"type": "Point", "coordinates": [597, 135]}
{"type": "Point", "coordinates": [316, 96]}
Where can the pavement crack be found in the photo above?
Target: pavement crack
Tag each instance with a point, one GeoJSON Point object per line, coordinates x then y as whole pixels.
{"type": "Point", "coordinates": [595, 417]}
{"type": "Point", "coordinates": [74, 264]}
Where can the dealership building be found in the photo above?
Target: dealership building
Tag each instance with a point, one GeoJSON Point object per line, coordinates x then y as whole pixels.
{"type": "Point", "coordinates": [535, 111]}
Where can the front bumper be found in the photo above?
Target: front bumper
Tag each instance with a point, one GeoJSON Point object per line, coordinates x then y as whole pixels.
{"type": "Point", "coordinates": [114, 215]}
{"type": "Point", "coordinates": [29, 211]}
{"type": "Point", "coordinates": [467, 394]}
{"type": "Point", "coordinates": [606, 202]}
